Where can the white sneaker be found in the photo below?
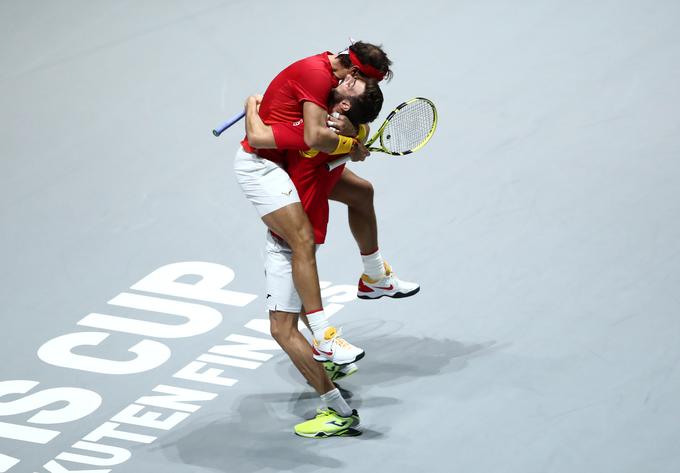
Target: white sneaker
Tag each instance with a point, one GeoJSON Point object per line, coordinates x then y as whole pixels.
{"type": "Point", "coordinates": [390, 285]}
{"type": "Point", "coordinates": [336, 349]}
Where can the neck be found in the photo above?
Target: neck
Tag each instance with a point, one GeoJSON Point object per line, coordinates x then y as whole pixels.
{"type": "Point", "coordinates": [338, 70]}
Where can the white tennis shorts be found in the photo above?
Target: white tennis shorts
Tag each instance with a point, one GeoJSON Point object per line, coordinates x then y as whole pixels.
{"type": "Point", "coordinates": [265, 184]}
{"type": "Point", "coordinates": [278, 272]}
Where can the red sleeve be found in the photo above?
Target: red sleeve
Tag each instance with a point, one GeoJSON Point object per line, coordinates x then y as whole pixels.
{"type": "Point", "coordinates": [314, 86]}
{"type": "Point", "coordinates": [289, 136]}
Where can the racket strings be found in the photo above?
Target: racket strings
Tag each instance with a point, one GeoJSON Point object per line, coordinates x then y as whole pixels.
{"type": "Point", "coordinates": [410, 127]}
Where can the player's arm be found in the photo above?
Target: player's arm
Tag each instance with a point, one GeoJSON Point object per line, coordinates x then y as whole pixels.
{"type": "Point", "coordinates": [260, 135]}
{"type": "Point", "coordinates": [319, 137]}
{"type": "Point", "coordinates": [317, 134]}
{"type": "Point", "coordinates": [287, 136]}
{"type": "Point", "coordinates": [274, 136]}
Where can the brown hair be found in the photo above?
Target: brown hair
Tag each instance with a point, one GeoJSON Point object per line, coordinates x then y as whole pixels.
{"type": "Point", "coordinates": [368, 54]}
{"type": "Point", "coordinates": [366, 107]}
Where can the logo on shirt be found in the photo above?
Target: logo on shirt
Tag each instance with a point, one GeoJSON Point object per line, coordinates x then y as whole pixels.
{"type": "Point", "coordinates": [298, 123]}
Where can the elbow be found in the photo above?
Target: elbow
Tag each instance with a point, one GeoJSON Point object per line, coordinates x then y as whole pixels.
{"type": "Point", "coordinates": [255, 140]}
{"type": "Point", "coordinates": [313, 138]}
{"type": "Point", "coordinates": [258, 140]}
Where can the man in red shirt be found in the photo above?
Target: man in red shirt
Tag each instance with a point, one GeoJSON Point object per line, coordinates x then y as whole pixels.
{"type": "Point", "coordinates": [313, 183]}
{"type": "Point", "coordinates": [301, 92]}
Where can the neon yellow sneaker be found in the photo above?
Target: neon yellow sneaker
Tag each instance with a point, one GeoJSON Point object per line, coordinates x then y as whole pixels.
{"type": "Point", "coordinates": [336, 373]}
{"type": "Point", "coordinates": [329, 423]}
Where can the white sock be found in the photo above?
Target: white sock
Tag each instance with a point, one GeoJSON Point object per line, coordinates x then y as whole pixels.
{"type": "Point", "coordinates": [318, 322]}
{"type": "Point", "coordinates": [374, 266]}
{"type": "Point", "coordinates": [334, 400]}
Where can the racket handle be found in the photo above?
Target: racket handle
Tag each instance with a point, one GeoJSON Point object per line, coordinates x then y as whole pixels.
{"type": "Point", "coordinates": [218, 131]}
{"type": "Point", "coordinates": [338, 162]}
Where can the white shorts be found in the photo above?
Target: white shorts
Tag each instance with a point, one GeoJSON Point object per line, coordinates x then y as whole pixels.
{"type": "Point", "coordinates": [265, 184]}
{"type": "Point", "coordinates": [278, 270]}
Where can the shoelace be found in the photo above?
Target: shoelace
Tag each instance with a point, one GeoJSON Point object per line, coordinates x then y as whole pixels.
{"type": "Point", "coordinates": [330, 412]}
{"type": "Point", "coordinates": [342, 342]}
{"type": "Point", "coordinates": [388, 275]}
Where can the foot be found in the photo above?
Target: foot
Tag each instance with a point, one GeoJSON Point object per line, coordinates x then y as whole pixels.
{"type": "Point", "coordinates": [329, 423]}
{"type": "Point", "coordinates": [336, 349]}
{"type": "Point", "coordinates": [390, 285]}
{"type": "Point", "coordinates": [336, 373]}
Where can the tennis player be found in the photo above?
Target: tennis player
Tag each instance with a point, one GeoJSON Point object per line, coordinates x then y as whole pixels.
{"type": "Point", "coordinates": [301, 92]}
{"type": "Point", "coordinates": [313, 183]}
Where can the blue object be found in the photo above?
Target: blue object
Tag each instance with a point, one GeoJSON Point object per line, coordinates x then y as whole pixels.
{"type": "Point", "coordinates": [218, 131]}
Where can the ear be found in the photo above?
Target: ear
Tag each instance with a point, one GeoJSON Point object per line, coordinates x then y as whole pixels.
{"type": "Point", "coordinates": [345, 105]}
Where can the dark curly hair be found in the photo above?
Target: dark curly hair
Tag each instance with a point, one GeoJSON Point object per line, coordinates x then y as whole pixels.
{"type": "Point", "coordinates": [366, 107]}
{"type": "Point", "coordinates": [368, 54]}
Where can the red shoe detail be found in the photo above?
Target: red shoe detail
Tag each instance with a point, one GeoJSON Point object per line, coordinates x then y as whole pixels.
{"type": "Point", "coordinates": [363, 287]}
{"type": "Point", "coordinates": [388, 288]}
{"type": "Point", "coordinates": [318, 351]}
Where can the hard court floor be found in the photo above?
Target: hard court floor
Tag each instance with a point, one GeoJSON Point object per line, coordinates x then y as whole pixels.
{"type": "Point", "coordinates": [542, 222]}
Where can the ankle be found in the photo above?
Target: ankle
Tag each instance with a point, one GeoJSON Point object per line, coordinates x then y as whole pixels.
{"type": "Point", "coordinates": [374, 266]}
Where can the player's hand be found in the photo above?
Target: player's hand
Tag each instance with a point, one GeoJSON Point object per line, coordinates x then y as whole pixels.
{"type": "Point", "coordinates": [341, 125]}
{"type": "Point", "coordinates": [253, 101]}
{"type": "Point", "coordinates": [359, 152]}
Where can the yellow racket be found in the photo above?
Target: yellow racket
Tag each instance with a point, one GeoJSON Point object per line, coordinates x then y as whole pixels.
{"type": "Point", "coordinates": [405, 130]}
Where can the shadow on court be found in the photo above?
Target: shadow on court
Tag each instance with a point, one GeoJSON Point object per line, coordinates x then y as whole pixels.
{"type": "Point", "coordinates": [258, 436]}
{"type": "Point", "coordinates": [393, 358]}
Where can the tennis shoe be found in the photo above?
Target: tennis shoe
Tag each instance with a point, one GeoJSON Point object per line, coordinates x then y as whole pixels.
{"type": "Point", "coordinates": [335, 349]}
{"type": "Point", "coordinates": [390, 286]}
{"type": "Point", "coordinates": [328, 423]}
{"type": "Point", "coordinates": [336, 373]}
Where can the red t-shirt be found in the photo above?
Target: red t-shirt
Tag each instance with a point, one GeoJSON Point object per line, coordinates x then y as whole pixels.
{"type": "Point", "coordinates": [307, 80]}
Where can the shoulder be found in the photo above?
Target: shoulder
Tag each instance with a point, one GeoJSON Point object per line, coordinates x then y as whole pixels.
{"type": "Point", "coordinates": [315, 67]}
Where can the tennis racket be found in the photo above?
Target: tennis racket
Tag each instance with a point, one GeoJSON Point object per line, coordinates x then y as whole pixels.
{"type": "Point", "coordinates": [405, 130]}
{"type": "Point", "coordinates": [218, 131]}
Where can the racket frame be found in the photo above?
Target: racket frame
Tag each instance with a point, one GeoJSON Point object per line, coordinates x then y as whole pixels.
{"type": "Point", "coordinates": [378, 135]}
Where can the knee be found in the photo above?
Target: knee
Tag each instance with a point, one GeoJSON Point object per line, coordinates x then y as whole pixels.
{"type": "Point", "coordinates": [302, 239]}
{"type": "Point", "coordinates": [278, 329]}
{"type": "Point", "coordinates": [362, 195]}
{"type": "Point", "coordinates": [368, 191]}
{"type": "Point", "coordinates": [276, 332]}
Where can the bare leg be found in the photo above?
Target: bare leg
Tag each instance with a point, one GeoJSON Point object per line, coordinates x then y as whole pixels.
{"type": "Point", "coordinates": [291, 224]}
{"type": "Point", "coordinates": [285, 332]}
{"type": "Point", "coordinates": [357, 194]}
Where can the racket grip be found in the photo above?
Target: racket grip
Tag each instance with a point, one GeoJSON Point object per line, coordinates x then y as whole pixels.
{"type": "Point", "coordinates": [337, 162]}
{"type": "Point", "coordinates": [218, 131]}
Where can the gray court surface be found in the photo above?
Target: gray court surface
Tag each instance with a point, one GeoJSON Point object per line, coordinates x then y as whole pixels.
{"type": "Point", "coordinates": [542, 222]}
